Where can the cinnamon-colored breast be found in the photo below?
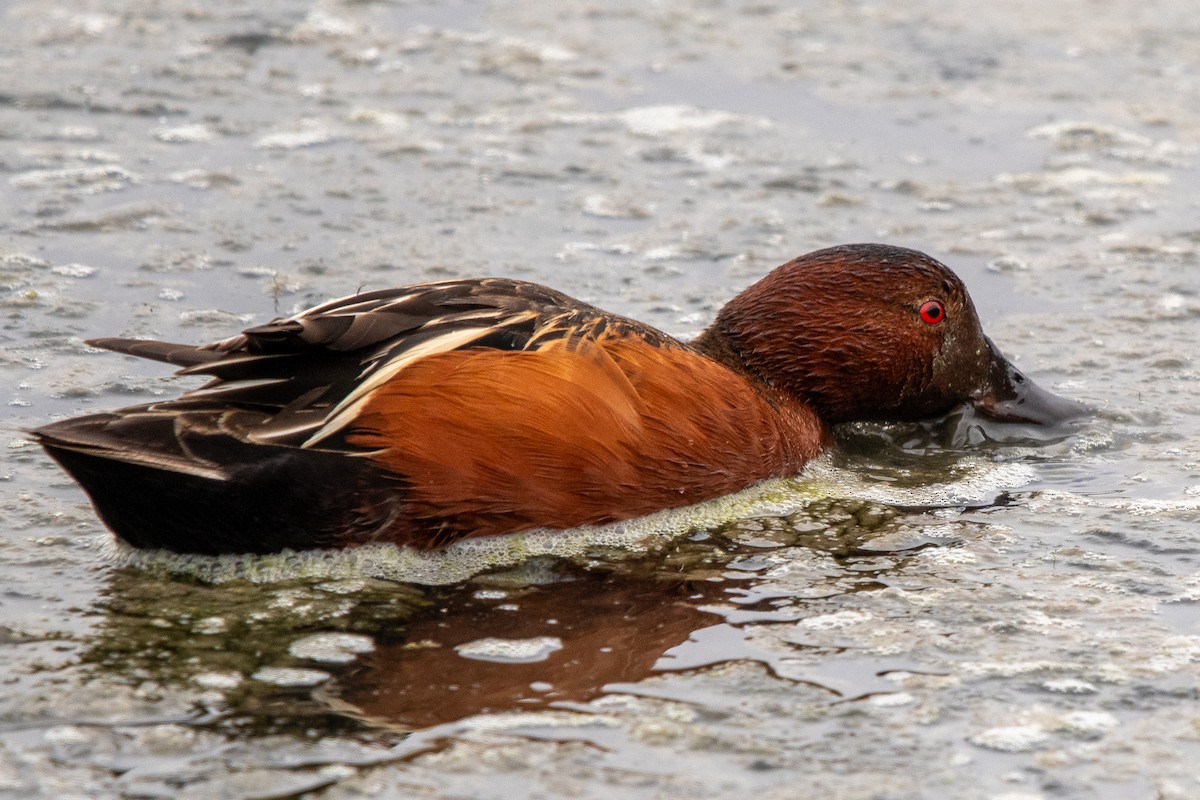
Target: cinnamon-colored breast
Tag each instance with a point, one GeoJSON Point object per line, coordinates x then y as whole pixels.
{"type": "Point", "coordinates": [579, 431]}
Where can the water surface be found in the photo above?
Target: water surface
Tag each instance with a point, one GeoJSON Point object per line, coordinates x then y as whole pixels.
{"type": "Point", "coordinates": [179, 171]}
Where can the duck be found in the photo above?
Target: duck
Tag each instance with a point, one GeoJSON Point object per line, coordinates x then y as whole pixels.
{"type": "Point", "coordinates": [428, 414]}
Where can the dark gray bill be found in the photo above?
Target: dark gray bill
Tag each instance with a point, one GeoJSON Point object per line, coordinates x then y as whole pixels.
{"type": "Point", "coordinates": [1009, 396]}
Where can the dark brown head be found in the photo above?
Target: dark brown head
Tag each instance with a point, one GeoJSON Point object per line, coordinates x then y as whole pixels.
{"type": "Point", "coordinates": [873, 332]}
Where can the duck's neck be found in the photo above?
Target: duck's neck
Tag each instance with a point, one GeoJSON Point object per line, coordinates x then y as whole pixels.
{"type": "Point", "coordinates": [804, 426]}
{"type": "Point", "coordinates": [716, 343]}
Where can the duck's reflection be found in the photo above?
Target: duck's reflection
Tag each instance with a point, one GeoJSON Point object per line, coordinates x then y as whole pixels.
{"type": "Point", "coordinates": [440, 654]}
{"type": "Point", "coordinates": [533, 639]}
{"type": "Point", "coordinates": [495, 651]}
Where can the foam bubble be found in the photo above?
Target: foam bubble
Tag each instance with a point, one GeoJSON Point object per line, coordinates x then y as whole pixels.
{"type": "Point", "coordinates": [332, 648]}
{"type": "Point", "coordinates": [288, 676]}
{"type": "Point", "coordinates": [510, 651]}
{"type": "Point", "coordinates": [975, 481]}
{"type": "Point", "coordinates": [223, 681]}
{"type": "Point", "coordinates": [1011, 738]}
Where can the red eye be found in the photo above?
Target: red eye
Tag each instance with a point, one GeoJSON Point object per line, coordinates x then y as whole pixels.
{"type": "Point", "coordinates": [933, 312]}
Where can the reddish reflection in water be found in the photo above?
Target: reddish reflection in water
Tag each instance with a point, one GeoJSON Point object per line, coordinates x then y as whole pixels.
{"type": "Point", "coordinates": [611, 630]}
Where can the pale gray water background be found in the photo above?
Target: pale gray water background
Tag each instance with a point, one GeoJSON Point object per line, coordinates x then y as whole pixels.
{"type": "Point", "coordinates": [180, 170]}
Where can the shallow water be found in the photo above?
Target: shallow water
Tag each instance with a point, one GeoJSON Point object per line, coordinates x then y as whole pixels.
{"type": "Point", "coordinates": [179, 171]}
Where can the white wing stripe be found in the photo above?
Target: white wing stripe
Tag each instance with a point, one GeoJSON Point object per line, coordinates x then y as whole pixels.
{"type": "Point", "coordinates": [231, 387]}
{"type": "Point", "coordinates": [345, 411]}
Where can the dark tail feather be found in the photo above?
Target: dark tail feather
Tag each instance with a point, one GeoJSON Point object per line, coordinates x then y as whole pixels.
{"type": "Point", "coordinates": [178, 496]}
{"type": "Point", "coordinates": [181, 355]}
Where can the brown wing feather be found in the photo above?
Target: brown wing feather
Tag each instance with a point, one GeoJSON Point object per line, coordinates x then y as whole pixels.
{"type": "Point", "coordinates": [489, 442]}
{"type": "Point", "coordinates": [181, 355]}
{"type": "Point", "coordinates": [309, 372]}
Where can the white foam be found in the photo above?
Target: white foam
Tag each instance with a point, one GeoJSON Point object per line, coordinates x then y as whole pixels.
{"type": "Point", "coordinates": [1011, 738]}
{"type": "Point", "coordinates": [974, 481]}
{"type": "Point", "coordinates": [510, 651]}
{"type": "Point", "coordinates": [287, 676]}
{"type": "Point", "coordinates": [332, 648]}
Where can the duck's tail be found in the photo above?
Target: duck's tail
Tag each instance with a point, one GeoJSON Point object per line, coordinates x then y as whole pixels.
{"type": "Point", "coordinates": [208, 492]}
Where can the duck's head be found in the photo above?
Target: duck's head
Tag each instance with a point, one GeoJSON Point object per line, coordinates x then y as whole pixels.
{"type": "Point", "coordinates": [874, 332]}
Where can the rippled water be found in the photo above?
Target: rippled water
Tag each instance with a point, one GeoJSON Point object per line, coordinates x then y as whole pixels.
{"type": "Point", "coordinates": [936, 611]}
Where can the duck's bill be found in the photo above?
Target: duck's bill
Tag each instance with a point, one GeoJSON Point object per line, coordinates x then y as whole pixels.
{"type": "Point", "coordinates": [1009, 396]}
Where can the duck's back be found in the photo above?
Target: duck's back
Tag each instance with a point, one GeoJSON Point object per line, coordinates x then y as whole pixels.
{"type": "Point", "coordinates": [422, 415]}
